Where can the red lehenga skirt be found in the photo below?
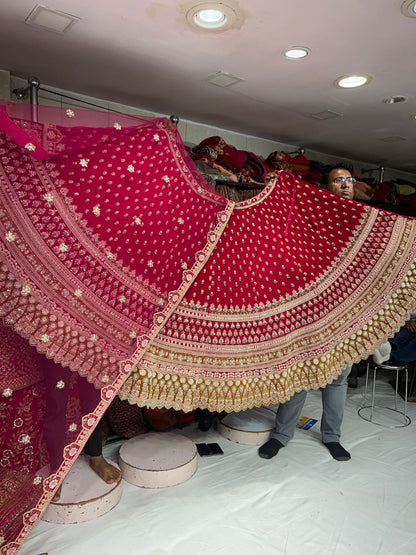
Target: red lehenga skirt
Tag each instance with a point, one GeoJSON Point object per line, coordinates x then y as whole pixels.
{"type": "Point", "coordinates": [122, 272]}
{"type": "Point", "coordinates": [301, 284]}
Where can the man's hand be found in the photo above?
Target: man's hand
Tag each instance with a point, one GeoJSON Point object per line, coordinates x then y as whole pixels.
{"type": "Point", "coordinates": [362, 191]}
{"type": "Point", "coordinates": [411, 325]}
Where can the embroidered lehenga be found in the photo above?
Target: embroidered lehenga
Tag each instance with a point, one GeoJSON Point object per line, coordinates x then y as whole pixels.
{"type": "Point", "coordinates": [300, 285]}
{"type": "Point", "coordinates": [119, 263]}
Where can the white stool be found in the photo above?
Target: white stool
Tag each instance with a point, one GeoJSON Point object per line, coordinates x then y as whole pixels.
{"type": "Point", "coordinates": [158, 460]}
{"type": "Point", "coordinates": [84, 495]}
{"type": "Point", "coordinates": [374, 412]}
{"type": "Point", "coordinates": [248, 427]}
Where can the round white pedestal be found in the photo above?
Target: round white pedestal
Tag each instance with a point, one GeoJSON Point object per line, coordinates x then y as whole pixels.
{"type": "Point", "coordinates": [158, 460]}
{"type": "Point", "coordinates": [84, 496]}
{"type": "Point", "coordinates": [249, 427]}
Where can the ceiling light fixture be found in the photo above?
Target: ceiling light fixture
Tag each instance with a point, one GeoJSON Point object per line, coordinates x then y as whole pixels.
{"type": "Point", "coordinates": [408, 8]}
{"type": "Point", "coordinates": [214, 16]}
{"type": "Point", "coordinates": [210, 19]}
{"type": "Point", "coordinates": [296, 53]}
{"type": "Point", "coordinates": [352, 81]}
{"type": "Point", "coordinates": [395, 99]}
{"type": "Point", "coordinates": [49, 19]}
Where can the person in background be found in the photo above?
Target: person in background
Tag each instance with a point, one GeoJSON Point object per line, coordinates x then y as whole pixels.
{"type": "Point", "coordinates": [337, 179]}
{"type": "Point", "coordinates": [401, 347]}
{"type": "Point", "coordinates": [57, 379]}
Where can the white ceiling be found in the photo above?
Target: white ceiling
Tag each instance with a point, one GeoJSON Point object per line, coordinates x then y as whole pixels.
{"type": "Point", "coordinates": [143, 53]}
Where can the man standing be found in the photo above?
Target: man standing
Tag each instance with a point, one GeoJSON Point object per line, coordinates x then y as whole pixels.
{"type": "Point", "coordinates": [338, 180]}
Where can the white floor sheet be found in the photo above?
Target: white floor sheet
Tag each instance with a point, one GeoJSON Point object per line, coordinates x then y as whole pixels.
{"type": "Point", "coordinates": [302, 502]}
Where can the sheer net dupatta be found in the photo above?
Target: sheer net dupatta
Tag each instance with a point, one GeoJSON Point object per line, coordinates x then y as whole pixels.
{"type": "Point", "coordinates": [104, 224]}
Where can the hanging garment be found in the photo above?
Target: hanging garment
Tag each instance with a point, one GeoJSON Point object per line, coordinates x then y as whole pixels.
{"type": "Point", "coordinates": [301, 284]}
{"type": "Point", "coordinates": [103, 227]}
{"type": "Point", "coordinates": [118, 263]}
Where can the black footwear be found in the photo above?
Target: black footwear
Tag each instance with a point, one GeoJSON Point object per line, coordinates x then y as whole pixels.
{"type": "Point", "coordinates": [353, 382]}
{"type": "Point", "coordinates": [206, 419]}
{"type": "Point", "coordinates": [337, 451]}
{"type": "Point", "coordinates": [270, 449]}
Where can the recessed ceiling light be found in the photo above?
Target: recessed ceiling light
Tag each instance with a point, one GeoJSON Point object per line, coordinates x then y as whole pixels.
{"type": "Point", "coordinates": [413, 116]}
{"type": "Point", "coordinates": [296, 53]}
{"type": "Point", "coordinates": [52, 20]}
{"type": "Point", "coordinates": [395, 99]}
{"type": "Point", "coordinates": [352, 81]}
{"type": "Point", "coordinates": [210, 19]}
{"type": "Point", "coordinates": [408, 8]}
{"type": "Point", "coordinates": [214, 16]}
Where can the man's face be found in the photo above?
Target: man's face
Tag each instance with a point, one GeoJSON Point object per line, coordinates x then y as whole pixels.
{"type": "Point", "coordinates": [340, 186]}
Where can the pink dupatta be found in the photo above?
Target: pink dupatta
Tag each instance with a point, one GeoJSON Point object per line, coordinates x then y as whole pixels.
{"type": "Point", "coordinates": [104, 224]}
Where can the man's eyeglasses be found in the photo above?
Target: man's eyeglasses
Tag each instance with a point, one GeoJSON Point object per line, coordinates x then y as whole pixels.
{"type": "Point", "coordinates": [342, 180]}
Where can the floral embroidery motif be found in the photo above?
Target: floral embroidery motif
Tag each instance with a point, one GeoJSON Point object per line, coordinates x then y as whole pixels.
{"type": "Point", "coordinates": [60, 384]}
{"type": "Point", "coordinates": [48, 197]}
{"type": "Point", "coordinates": [110, 255]}
{"type": "Point", "coordinates": [45, 338]}
{"type": "Point", "coordinates": [94, 338]}
{"type": "Point", "coordinates": [96, 210]}
{"type": "Point", "coordinates": [70, 113]}
{"type": "Point", "coordinates": [63, 248]}
{"type": "Point", "coordinates": [133, 334]}
{"type": "Point", "coordinates": [10, 237]}
{"type": "Point", "coordinates": [117, 126]}
{"type": "Point", "coordinates": [150, 263]}
{"type": "Point", "coordinates": [137, 220]}
{"type": "Point", "coordinates": [24, 438]}
{"type": "Point", "coordinates": [7, 392]}
{"type": "Point", "coordinates": [84, 162]}
{"type": "Point", "coordinates": [166, 179]}
{"type": "Point", "coordinates": [122, 299]}
{"type": "Point", "coordinates": [181, 221]}
{"type": "Point", "coordinates": [72, 427]}
{"type": "Point", "coordinates": [105, 379]}
{"type": "Point", "coordinates": [30, 146]}
{"type": "Point", "coordinates": [52, 484]}
{"type": "Point", "coordinates": [37, 480]}
{"type": "Point", "coordinates": [26, 290]}
{"type": "Point", "coordinates": [78, 293]}
{"type": "Point", "coordinates": [184, 266]}
{"type": "Point", "coordinates": [130, 168]}
{"type": "Point", "coordinates": [18, 423]}
{"type": "Point", "coordinates": [156, 137]}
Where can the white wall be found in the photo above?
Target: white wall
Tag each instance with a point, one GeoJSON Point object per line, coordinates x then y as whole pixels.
{"type": "Point", "coordinates": [193, 133]}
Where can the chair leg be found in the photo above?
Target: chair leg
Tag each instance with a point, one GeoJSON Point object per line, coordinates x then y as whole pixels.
{"type": "Point", "coordinates": [405, 394]}
{"type": "Point", "coordinates": [397, 389]}
{"type": "Point", "coordinates": [374, 391]}
{"type": "Point", "coordinates": [366, 382]}
{"type": "Point", "coordinates": [412, 385]}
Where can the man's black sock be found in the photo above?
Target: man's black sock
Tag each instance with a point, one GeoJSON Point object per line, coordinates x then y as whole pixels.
{"type": "Point", "coordinates": [337, 451]}
{"type": "Point", "coordinates": [270, 449]}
